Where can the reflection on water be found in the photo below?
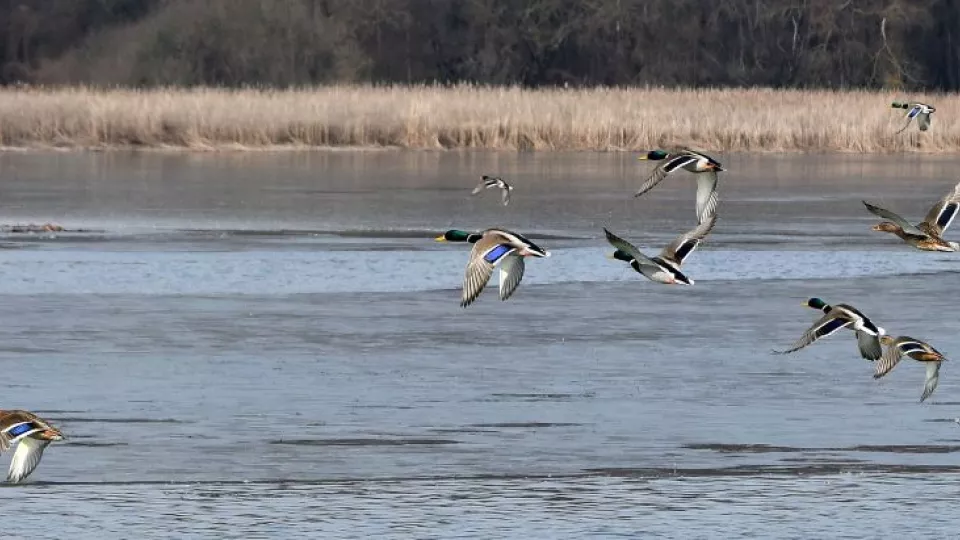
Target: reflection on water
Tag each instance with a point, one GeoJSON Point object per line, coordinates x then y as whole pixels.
{"type": "Point", "coordinates": [264, 343]}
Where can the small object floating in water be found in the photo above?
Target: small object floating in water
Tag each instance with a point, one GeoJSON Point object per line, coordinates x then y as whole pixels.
{"type": "Point", "coordinates": [42, 228]}
{"type": "Point", "coordinates": [32, 228]}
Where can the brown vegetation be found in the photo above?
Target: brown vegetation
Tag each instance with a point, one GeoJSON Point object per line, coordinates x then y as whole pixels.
{"type": "Point", "coordinates": [436, 117]}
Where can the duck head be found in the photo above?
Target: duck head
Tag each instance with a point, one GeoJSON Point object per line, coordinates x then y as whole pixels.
{"type": "Point", "coordinates": [51, 434]}
{"type": "Point", "coordinates": [815, 303]}
{"type": "Point", "coordinates": [886, 340]}
{"type": "Point", "coordinates": [455, 235]}
{"type": "Point", "coordinates": [886, 226]}
{"type": "Point", "coordinates": [654, 155]}
{"type": "Point", "coordinates": [712, 165]}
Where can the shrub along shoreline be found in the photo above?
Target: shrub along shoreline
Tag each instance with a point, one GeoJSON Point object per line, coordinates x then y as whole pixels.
{"type": "Point", "coordinates": [472, 117]}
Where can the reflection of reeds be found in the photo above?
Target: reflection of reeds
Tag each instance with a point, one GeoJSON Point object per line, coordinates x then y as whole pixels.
{"type": "Point", "coordinates": [473, 117]}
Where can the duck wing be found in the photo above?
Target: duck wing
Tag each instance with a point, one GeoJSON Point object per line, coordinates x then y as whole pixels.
{"type": "Point", "coordinates": [941, 214]}
{"type": "Point", "coordinates": [26, 458]}
{"type": "Point", "coordinates": [923, 121]}
{"type": "Point", "coordinates": [914, 111]}
{"type": "Point", "coordinates": [672, 163]}
{"type": "Point", "coordinates": [869, 345]}
{"type": "Point", "coordinates": [826, 325]}
{"type": "Point", "coordinates": [505, 196]}
{"type": "Point", "coordinates": [933, 378]}
{"type": "Point", "coordinates": [907, 227]}
{"type": "Point", "coordinates": [630, 249]}
{"type": "Point", "coordinates": [678, 250]}
{"type": "Point", "coordinates": [486, 253]}
{"type": "Point", "coordinates": [15, 425]}
{"type": "Point", "coordinates": [480, 187]}
{"type": "Point", "coordinates": [511, 272]}
{"type": "Point", "coordinates": [707, 196]}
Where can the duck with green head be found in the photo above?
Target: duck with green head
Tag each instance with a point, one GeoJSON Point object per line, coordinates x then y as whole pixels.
{"type": "Point", "coordinates": [488, 182]}
{"type": "Point", "coordinates": [693, 161]}
{"type": "Point", "coordinates": [665, 267]}
{"type": "Point", "coordinates": [921, 111]}
{"type": "Point", "coordinates": [841, 316]}
{"type": "Point", "coordinates": [455, 235]}
{"type": "Point", "coordinates": [493, 248]}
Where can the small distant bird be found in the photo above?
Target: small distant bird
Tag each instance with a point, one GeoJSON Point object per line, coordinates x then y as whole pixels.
{"type": "Point", "coordinates": [920, 111]}
{"type": "Point", "coordinates": [664, 268]}
{"type": "Point", "coordinates": [32, 436]}
{"type": "Point", "coordinates": [928, 234]}
{"type": "Point", "coordinates": [835, 318]}
{"type": "Point", "coordinates": [696, 162]}
{"type": "Point", "coordinates": [494, 182]}
{"type": "Point", "coordinates": [493, 248]}
{"type": "Point", "coordinates": [916, 349]}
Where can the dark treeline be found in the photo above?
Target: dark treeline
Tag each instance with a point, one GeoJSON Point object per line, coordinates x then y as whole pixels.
{"type": "Point", "coordinates": [780, 43]}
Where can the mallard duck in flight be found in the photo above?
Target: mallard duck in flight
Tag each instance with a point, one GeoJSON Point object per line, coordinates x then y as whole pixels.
{"type": "Point", "coordinates": [665, 267]}
{"type": "Point", "coordinates": [488, 182]}
{"type": "Point", "coordinates": [835, 318]}
{"type": "Point", "coordinates": [916, 349]}
{"type": "Point", "coordinates": [31, 434]}
{"type": "Point", "coordinates": [928, 234]}
{"type": "Point", "coordinates": [920, 111]}
{"type": "Point", "coordinates": [493, 248]}
{"type": "Point", "coordinates": [703, 165]}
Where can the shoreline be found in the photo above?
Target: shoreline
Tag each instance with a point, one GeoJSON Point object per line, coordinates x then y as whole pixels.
{"type": "Point", "coordinates": [369, 118]}
{"type": "Point", "coordinates": [283, 149]}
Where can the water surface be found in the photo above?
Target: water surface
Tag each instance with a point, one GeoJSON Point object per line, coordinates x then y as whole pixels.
{"type": "Point", "coordinates": [256, 345]}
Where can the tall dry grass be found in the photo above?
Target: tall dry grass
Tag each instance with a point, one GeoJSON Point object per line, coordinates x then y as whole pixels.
{"type": "Point", "coordinates": [473, 117]}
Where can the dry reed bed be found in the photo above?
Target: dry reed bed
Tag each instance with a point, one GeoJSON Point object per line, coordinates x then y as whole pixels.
{"type": "Point", "coordinates": [472, 117]}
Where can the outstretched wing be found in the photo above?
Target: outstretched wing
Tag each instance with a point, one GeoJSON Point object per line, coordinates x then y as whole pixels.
{"type": "Point", "coordinates": [707, 195]}
{"type": "Point", "coordinates": [18, 425]}
{"type": "Point", "coordinates": [511, 272]}
{"type": "Point", "coordinates": [25, 458]}
{"type": "Point", "coordinates": [486, 253]}
{"type": "Point", "coordinates": [941, 214]}
{"type": "Point", "coordinates": [826, 325]}
{"type": "Point", "coordinates": [887, 214]}
{"type": "Point", "coordinates": [480, 187]}
{"type": "Point", "coordinates": [672, 163]}
{"type": "Point", "coordinates": [505, 196]}
{"type": "Point", "coordinates": [913, 112]}
{"type": "Point", "coordinates": [933, 377]}
{"type": "Point", "coordinates": [678, 250]}
{"type": "Point", "coordinates": [629, 249]}
{"type": "Point", "coordinates": [923, 121]}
